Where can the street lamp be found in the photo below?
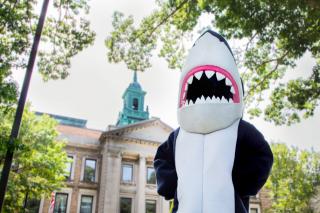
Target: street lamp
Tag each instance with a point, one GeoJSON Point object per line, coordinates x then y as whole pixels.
{"type": "Point", "coordinates": [21, 103]}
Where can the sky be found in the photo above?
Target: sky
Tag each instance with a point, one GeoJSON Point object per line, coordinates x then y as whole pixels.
{"type": "Point", "coordinates": [94, 89]}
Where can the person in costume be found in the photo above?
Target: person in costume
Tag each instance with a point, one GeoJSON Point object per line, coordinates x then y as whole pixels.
{"type": "Point", "coordinates": [215, 160]}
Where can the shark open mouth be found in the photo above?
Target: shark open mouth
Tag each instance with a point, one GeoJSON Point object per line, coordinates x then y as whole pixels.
{"type": "Point", "coordinates": [208, 84]}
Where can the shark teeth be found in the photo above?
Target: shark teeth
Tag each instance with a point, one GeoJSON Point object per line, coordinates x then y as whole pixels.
{"type": "Point", "coordinates": [228, 82]}
{"type": "Point", "coordinates": [220, 76]}
{"type": "Point", "coordinates": [200, 100]}
{"type": "Point", "coordinates": [209, 74]}
{"type": "Point", "coordinates": [208, 100]}
{"type": "Point", "coordinates": [190, 79]}
{"type": "Point", "coordinates": [198, 75]}
{"type": "Point", "coordinates": [204, 100]}
{"type": "Point", "coordinates": [232, 90]}
{"type": "Point", "coordinates": [223, 100]}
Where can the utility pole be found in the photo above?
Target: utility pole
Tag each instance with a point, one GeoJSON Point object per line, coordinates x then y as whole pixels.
{"type": "Point", "coordinates": [21, 103]}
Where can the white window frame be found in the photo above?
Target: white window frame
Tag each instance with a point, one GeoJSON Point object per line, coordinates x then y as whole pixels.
{"type": "Point", "coordinates": [73, 165]}
{"type": "Point", "coordinates": [132, 174]}
{"type": "Point", "coordinates": [150, 184]}
{"type": "Point", "coordinates": [66, 191]}
{"type": "Point", "coordinates": [89, 193]}
{"type": "Point", "coordinates": [132, 201]}
{"type": "Point", "coordinates": [254, 205]}
{"type": "Point", "coordinates": [155, 200]}
{"type": "Point", "coordinates": [96, 177]}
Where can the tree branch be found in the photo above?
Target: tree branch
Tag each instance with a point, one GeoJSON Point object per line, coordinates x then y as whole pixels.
{"type": "Point", "coordinates": [268, 74]}
{"type": "Point", "coordinates": [268, 61]}
{"type": "Point", "coordinates": [164, 20]}
{"type": "Point", "coordinates": [250, 40]}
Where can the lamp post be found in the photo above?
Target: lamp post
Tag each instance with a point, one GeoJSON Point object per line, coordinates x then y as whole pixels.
{"type": "Point", "coordinates": [20, 107]}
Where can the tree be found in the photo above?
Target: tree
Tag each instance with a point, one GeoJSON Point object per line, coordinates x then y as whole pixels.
{"type": "Point", "coordinates": [39, 164]}
{"type": "Point", "coordinates": [294, 179]}
{"type": "Point", "coordinates": [66, 32]}
{"type": "Point", "coordinates": [273, 36]}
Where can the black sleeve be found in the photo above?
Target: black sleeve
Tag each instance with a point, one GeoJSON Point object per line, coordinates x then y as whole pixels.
{"type": "Point", "coordinates": [253, 160]}
{"type": "Point", "coordinates": [165, 168]}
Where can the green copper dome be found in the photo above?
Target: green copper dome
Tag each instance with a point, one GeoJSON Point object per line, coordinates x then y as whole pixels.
{"type": "Point", "coordinates": [133, 104]}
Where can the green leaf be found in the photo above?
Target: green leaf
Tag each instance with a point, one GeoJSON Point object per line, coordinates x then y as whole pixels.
{"type": "Point", "coordinates": [39, 161]}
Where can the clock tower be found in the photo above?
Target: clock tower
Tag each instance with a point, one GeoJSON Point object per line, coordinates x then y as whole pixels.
{"type": "Point", "coordinates": [133, 104]}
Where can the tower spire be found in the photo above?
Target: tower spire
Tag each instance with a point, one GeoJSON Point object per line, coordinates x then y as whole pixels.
{"type": "Point", "coordinates": [135, 79]}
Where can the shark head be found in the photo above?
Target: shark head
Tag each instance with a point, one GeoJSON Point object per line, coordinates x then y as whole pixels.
{"type": "Point", "coordinates": [210, 92]}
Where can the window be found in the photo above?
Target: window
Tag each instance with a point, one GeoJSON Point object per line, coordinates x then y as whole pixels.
{"type": "Point", "coordinates": [254, 210]}
{"type": "Point", "coordinates": [69, 168]}
{"type": "Point", "coordinates": [127, 173]}
{"type": "Point", "coordinates": [151, 206]}
{"type": "Point", "coordinates": [135, 104]}
{"type": "Point", "coordinates": [86, 204]}
{"type": "Point", "coordinates": [125, 205]}
{"type": "Point", "coordinates": [90, 170]}
{"type": "Point", "coordinates": [151, 176]}
{"type": "Point", "coordinates": [60, 203]}
{"type": "Point", "coordinates": [32, 205]}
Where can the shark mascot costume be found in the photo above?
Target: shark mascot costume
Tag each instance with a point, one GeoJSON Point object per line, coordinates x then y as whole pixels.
{"type": "Point", "coordinates": [215, 160]}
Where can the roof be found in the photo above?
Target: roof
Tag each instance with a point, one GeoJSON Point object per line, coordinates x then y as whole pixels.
{"type": "Point", "coordinates": [152, 131]}
{"type": "Point", "coordinates": [137, 124]}
{"type": "Point", "coordinates": [137, 127]}
{"type": "Point", "coordinates": [78, 135]}
{"type": "Point", "coordinates": [91, 133]}
{"type": "Point", "coordinates": [65, 120]}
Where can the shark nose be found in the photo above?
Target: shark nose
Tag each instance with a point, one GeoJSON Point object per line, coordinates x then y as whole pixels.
{"type": "Point", "coordinates": [215, 35]}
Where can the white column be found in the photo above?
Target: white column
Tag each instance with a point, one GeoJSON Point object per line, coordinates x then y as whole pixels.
{"type": "Point", "coordinates": [103, 180]}
{"type": "Point", "coordinates": [141, 208]}
{"type": "Point", "coordinates": [112, 182]}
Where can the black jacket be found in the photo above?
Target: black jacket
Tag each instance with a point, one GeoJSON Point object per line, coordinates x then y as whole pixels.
{"type": "Point", "coordinates": [251, 168]}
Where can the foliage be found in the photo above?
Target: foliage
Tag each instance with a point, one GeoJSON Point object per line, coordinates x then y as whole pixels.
{"type": "Point", "coordinates": [272, 35]}
{"type": "Point", "coordinates": [66, 33]}
{"type": "Point", "coordinates": [39, 162]}
{"type": "Point", "coordinates": [293, 180]}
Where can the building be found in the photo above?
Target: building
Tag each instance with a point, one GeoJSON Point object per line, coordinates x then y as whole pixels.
{"type": "Point", "coordinates": [112, 171]}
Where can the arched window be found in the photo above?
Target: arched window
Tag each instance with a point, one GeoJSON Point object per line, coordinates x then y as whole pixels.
{"type": "Point", "coordinates": [135, 104]}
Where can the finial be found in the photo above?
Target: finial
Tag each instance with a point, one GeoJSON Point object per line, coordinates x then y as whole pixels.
{"type": "Point", "coordinates": [135, 80]}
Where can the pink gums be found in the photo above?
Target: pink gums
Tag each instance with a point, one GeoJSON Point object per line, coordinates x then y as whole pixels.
{"type": "Point", "coordinates": [236, 97]}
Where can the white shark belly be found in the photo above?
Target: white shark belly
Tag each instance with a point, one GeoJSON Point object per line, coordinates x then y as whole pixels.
{"type": "Point", "coordinates": [204, 167]}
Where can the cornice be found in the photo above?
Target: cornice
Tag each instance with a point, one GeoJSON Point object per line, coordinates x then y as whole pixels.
{"type": "Point", "coordinates": [83, 146]}
{"type": "Point", "coordinates": [130, 155]}
{"type": "Point", "coordinates": [132, 140]}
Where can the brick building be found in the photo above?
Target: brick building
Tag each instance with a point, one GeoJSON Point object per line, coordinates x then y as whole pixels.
{"type": "Point", "coordinates": [111, 171]}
